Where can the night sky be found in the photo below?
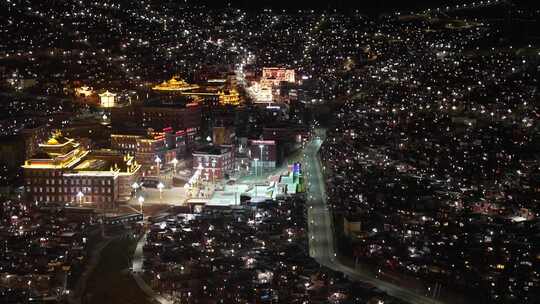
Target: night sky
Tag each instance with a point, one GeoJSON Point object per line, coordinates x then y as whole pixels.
{"type": "Point", "coordinates": [368, 7]}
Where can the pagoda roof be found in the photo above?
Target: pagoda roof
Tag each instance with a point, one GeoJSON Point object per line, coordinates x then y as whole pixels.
{"type": "Point", "coordinates": [57, 139]}
{"type": "Point", "coordinates": [107, 94]}
{"type": "Point", "coordinates": [174, 84]}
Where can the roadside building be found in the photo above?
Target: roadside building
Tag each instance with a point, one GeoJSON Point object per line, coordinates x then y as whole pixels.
{"type": "Point", "coordinates": [214, 161]}
{"type": "Point", "coordinates": [263, 155]}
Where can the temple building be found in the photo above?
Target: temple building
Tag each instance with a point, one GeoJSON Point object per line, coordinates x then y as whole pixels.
{"type": "Point", "coordinates": [174, 84]}
{"type": "Point", "coordinates": [64, 172]}
{"type": "Point", "coordinates": [213, 91]}
{"type": "Point", "coordinates": [107, 99]}
{"type": "Point", "coordinates": [84, 91]}
{"type": "Point", "coordinates": [230, 97]}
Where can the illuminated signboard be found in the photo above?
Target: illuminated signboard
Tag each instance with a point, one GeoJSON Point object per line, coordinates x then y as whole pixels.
{"type": "Point", "coordinates": [297, 167]}
{"type": "Point", "coordinates": [263, 142]}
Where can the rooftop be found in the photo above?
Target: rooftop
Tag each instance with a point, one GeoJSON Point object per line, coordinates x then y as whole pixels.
{"type": "Point", "coordinates": [211, 150]}
{"type": "Point", "coordinates": [57, 139]}
{"type": "Point", "coordinates": [174, 84]}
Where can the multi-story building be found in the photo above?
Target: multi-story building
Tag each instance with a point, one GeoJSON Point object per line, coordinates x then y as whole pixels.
{"type": "Point", "coordinates": [64, 172]}
{"type": "Point", "coordinates": [148, 147]}
{"type": "Point", "coordinates": [214, 161]}
{"type": "Point", "coordinates": [160, 116]}
{"type": "Point", "coordinates": [263, 154]}
{"type": "Point", "coordinates": [277, 75]}
{"type": "Point", "coordinates": [267, 89]}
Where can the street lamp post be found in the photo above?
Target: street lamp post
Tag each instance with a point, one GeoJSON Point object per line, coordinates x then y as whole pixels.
{"type": "Point", "coordinates": [174, 162]}
{"type": "Point", "coordinates": [141, 201]}
{"type": "Point", "coordinates": [256, 166]}
{"type": "Point", "coordinates": [80, 197]}
{"type": "Point", "coordinates": [235, 194]}
{"type": "Point", "coordinates": [135, 187]}
{"type": "Point", "coordinates": [207, 184]}
{"type": "Point", "coordinates": [160, 187]}
{"type": "Point", "coordinates": [261, 147]}
{"type": "Point", "coordinates": [213, 170]}
{"type": "Point", "coordinates": [158, 162]}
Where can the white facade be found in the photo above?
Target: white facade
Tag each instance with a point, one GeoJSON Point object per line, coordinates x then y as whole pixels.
{"type": "Point", "coordinates": [107, 99]}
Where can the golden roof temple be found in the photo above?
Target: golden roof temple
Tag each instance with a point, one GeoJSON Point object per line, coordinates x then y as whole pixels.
{"type": "Point", "coordinates": [175, 84]}
{"type": "Point", "coordinates": [230, 97]}
{"type": "Point", "coordinates": [60, 152]}
{"type": "Point", "coordinates": [216, 91]}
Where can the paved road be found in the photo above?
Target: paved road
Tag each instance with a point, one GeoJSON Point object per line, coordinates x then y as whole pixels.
{"type": "Point", "coordinates": [138, 259]}
{"type": "Point", "coordinates": [321, 240]}
{"type": "Point", "coordinates": [138, 254]}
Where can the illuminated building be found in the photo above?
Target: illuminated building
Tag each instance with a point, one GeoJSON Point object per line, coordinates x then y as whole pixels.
{"type": "Point", "coordinates": [215, 95]}
{"type": "Point", "coordinates": [107, 99]}
{"type": "Point", "coordinates": [164, 130]}
{"type": "Point", "coordinates": [166, 145]}
{"type": "Point", "coordinates": [267, 89]}
{"type": "Point", "coordinates": [263, 154]}
{"type": "Point", "coordinates": [175, 85]}
{"type": "Point", "coordinates": [219, 90]}
{"type": "Point", "coordinates": [214, 161]}
{"type": "Point", "coordinates": [261, 94]}
{"type": "Point", "coordinates": [64, 172]}
{"type": "Point", "coordinates": [84, 91]}
{"type": "Point", "coordinates": [230, 97]}
{"type": "Point", "coordinates": [158, 117]}
{"type": "Point", "coordinates": [277, 75]}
